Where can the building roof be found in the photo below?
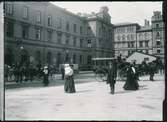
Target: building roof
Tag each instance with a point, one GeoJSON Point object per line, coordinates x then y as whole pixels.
{"type": "Point", "coordinates": [145, 28]}
{"type": "Point", "coordinates": [66, 11]}
{"type": "Point", "coordinates": [125, 24]}
{"type": "Point", "coordinates": [142, 53]}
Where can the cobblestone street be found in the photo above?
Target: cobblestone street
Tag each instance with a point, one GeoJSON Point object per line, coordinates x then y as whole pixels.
{"type": "Point", "coordinates": [92, 101]}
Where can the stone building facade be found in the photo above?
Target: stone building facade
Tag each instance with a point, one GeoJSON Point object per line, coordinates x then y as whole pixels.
{"type": "Point", "coordinates": [148, 39]}
{"type": "Point", "coordinates": [144, 38]}
{"type": "Point", "coordinates": [125, 38]}
{"type": "Point", "coordinates": [158, 34]}
{"type": "Point", "coordinates": [40, 32]}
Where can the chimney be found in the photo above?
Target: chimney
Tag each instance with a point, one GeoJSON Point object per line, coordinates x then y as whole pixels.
{"type": "Point", "coordinates": [146, 23]}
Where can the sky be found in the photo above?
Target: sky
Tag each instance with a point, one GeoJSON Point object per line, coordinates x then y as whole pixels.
{"type": "Point", "coordinates": [120, 12]}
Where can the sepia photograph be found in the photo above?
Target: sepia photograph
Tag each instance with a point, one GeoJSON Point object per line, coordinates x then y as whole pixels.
{"type": "Point", "coordinates": [82, 61]}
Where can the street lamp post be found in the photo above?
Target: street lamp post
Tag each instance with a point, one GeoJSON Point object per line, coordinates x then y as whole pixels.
{"type": "Point", "coordinates": [21, 48]}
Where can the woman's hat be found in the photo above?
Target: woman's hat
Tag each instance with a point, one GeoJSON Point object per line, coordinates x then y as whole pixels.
{"type": "Point", "coordinates": [66, 65]}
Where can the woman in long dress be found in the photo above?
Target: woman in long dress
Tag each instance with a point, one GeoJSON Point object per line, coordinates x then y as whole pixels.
{"type": "Point", "coordinates": [69, 86]}
{"type": "Point", "coordinates": [131, 81]}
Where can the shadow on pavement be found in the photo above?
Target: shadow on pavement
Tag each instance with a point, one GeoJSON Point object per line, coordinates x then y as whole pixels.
{"type": "Point", "coordinates": [84, 91]}
{"type": "Point", "coordinates": [125, 91]}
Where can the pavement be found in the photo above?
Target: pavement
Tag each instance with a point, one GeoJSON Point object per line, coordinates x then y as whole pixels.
{"type": "Point", "coordinates": [92, 101]}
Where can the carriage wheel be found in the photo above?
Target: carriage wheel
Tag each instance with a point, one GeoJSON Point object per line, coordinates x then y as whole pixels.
{"type": "Point", "coordinates": [100, 75]}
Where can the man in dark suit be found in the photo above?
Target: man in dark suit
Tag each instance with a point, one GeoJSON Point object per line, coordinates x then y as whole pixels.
{"type": "Point", "coordinates": [112, 74]}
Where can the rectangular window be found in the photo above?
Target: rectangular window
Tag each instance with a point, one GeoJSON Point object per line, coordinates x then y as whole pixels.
{"type": "Point", "coordinates": [158, 43]}
{"type": "Point", "coordinates": [38, 34]}
{"type": "Point", "coordinates": [157, 25]}
{"type": "Point", "coordinates": [25, 32]}
{"type": "Point", "coordinates": [9, 28]}
{"type": "Point", "coordinates": [49, 35]}
{"type": "Point", "coordinates": [128, 44]}
{"type": "Point", "coordinates": [38, 17]}
{"type": "Point", "coordinates": [9, 8]}
{"type": "Point", "coordinates": [81, 30]}
{"type": "Point", "coordinates": [25, 12]}
{"type": "Point", "coordinates": [88, 30]}
{"type": "Point", "coordinates": [67, 40]}
{"type": "Point", "coordinates": [89, 43]}
{"type": "Point", "coordinates": [49, 21]}
{"type": "Point", "coordinates": [80, 59]}
{"type": "Point", "coordinates": [158, 51]}
{"type": "Point", "coordinates": [146, 43]}
{"type": "Point", "coordinates": [132, 43]}
{"type": "Point", "coordinates": [100, 32]}
{"type": "Point", "coordinates": [75, 28]}
{"type": "Point", "coordinates": [59, 23]}
{"type": "Point", "coordinates": [140, 44]}
{"type": "Point", "coordinates": [158, 35]}
{"type": "Point", "coordinates": [118, 38]}
{"type": "Point", "coordinates": [81, 42]}
{"type": "Point", "coordinates": [59, 38]}
{"type": "Point", "coordinates": [132, 37]}
{"type": "Point", "coordinates": [74, 41]}
{"type": "Point", "coordinates": [128, 37]}
{"type": "Point", "coordinates": [67, 26]}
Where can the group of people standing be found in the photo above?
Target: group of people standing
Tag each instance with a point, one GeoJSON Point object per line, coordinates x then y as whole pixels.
{"type": "Point", "coordinates": [19, 72]}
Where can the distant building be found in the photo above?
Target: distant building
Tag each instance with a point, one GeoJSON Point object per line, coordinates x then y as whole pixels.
{"type": "Point", "coordinates": [125, 38]}
{"type": "Point", "coordinates": [158, 34]}
{"type": "Point", "coordinates": [149, 39]}
{"type": "Point", "coordinates": [40, 32]}
{"type": "Point", "coordinates": [144, 38]}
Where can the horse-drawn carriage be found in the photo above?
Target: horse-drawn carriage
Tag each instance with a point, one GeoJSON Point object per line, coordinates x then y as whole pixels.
{"type": "Point", "coordinates": [100, 67]}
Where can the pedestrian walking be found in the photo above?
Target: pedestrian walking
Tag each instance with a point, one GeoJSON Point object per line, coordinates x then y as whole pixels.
{"type": "Point", "coordinates": [69, 86]}
{"type": "Point", "coordinates": [152, 69]}
{"type": "Point", "coordinates": [112, 75]}
{"type": "Point", "coordinates": [62, 71]}
{"type": "Point", "coordinates": [144, 67]}
{"type": "Point", "coordinates": [131, 81]}
{"type": "Point", "coordinates": [46, 76]}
